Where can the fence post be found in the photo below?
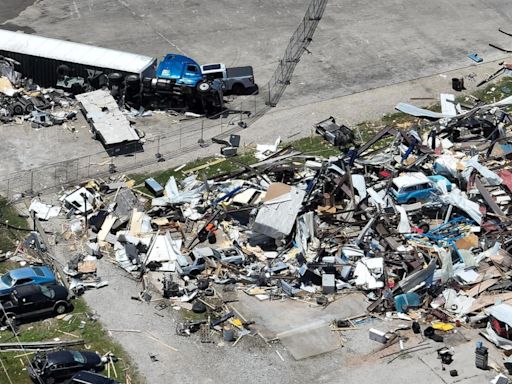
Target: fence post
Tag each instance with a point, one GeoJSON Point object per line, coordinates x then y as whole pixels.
{"type": "Point", "coordinates": [89, 167]}
{"type": "Point", "coordinates": [31, 182]}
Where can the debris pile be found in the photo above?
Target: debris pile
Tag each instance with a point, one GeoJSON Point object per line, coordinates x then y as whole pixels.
{"type": "Point", "coordinates": [21, 100]}
{"type": "Point", "coordinates": [416, 218]}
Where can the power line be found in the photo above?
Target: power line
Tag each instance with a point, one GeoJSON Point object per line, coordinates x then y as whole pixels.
{"type": "Point", "coordinates": [9, 323]}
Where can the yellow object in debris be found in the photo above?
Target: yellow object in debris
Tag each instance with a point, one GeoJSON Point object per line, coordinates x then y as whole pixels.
{"type": "Point", "coordinates": [443, 326]}
{"type": "Point", "coordinates": [237, 323]}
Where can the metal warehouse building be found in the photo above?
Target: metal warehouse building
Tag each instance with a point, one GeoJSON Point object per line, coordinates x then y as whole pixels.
{"type": "Point", "coordinates": [43, 59]}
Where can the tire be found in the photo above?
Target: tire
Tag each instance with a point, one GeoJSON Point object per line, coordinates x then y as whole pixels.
{"type": "Point", "coordinates": [9, 316]}
{"type": "Point", "coordinates": [18, 109]}
{"type": "Point", "coordinates": [202, 284]}
{"type": "Point", "coordinates": [238, 89]}
{"type": "Point", "coordinates": [424, 227]}
{"type": "Point", "coordinates": [77, 89]}
{"type": "Point", "coordinates": [60, 308]}
{"type": "Point", "coordinates": [132, 80]}
{"type": "Point", "coordinates": [29, 108]}
{"type": "Point", "coordinates": [203, 87]}
{"type": "Point", "coordinates": [115, 78]}
{"type": "Point", "coordinates": [63, 70]}
{"type": "Point", "coordinates": [198, 307]}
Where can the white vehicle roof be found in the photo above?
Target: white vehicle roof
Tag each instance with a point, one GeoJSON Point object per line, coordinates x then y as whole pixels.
{"type": "Point", "coordinates": [62, 50]}
{"type": "Point", "coordinates": [216, 67]}
{"type": "Point", "coordinates": [410, 179]}
{"type": "Point", "coordinates": [502, 312]}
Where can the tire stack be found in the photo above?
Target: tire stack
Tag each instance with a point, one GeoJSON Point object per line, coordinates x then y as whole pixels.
{"type": "Point", "coordinates": [115, 84]}
{"type": "Point", "coordinates": [132, 90]}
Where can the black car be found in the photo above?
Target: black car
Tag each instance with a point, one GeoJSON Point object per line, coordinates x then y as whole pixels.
{"type": "Point", "coordinates": [35, 301]}
{"type": "Point", "coordinates": [86, 377]}
{"type": "Point", "coordinates": [55, 367]}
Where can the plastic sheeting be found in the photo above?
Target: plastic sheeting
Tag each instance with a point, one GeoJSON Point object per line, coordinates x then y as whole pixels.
{"type": "Point", "coordinates": [473, 164]}
{"type": "Point", "coordinates": [367, 271]}
{"type": "Point", "coordinates": [458, 199]}
{"type": "Point", "coordinates": [174, 196]}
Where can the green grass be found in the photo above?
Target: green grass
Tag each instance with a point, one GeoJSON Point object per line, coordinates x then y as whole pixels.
{"type": "Point", "coordinates": [8, 236]}
{"type": "Point", "coordinates": [494, 92]}
{"type": "Point", "coordinates": [96, 340]}
{"type": "Point", "coordinates": [315, 145]}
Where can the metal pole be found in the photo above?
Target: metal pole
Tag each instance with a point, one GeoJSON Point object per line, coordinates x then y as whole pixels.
{"type": "Point", "coordinates": [31, 181]}
{"type": "Point", "coordinates": [84, 195]}
{"type": "Point", "coordinates": [89, 168]}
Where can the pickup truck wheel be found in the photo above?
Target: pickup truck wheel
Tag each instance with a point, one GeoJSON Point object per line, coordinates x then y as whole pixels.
{"type": "Point", "coordinates": [203, 86]}
{"type": "Point", "coordinates": [60, 308]}
{"type": "Point", "coordinates": [238, 89]}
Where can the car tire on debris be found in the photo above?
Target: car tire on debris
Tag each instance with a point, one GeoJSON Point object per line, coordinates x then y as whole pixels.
{"type": "Point", "coordinates": [198, 307]}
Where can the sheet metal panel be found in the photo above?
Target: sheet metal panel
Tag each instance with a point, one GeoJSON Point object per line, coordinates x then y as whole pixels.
{"type": "Point", "coordinates": [105, 117]}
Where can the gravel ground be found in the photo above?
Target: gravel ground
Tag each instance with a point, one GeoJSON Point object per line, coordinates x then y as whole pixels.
{"type": "Point", "coordinates": [253, 360]}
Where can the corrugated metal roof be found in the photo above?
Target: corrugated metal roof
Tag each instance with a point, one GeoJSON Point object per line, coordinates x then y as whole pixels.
{"type": "Point", "coordinates": [104, 114]}
{"type": "Point", "coordinates": [73, 52]}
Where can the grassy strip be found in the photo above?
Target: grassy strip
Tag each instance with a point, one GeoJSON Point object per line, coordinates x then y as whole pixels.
{"type": "Point", "coordinates": [81, 325]}
{"type": "Point", "coordinates": [314, 145]}
{"type": "Point", "coordinates": [8, 236]}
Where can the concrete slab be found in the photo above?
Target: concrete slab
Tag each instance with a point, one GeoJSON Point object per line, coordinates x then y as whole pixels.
{"type": "Point", "coordinates": [310, 340]}
{"type": "Point", "coordinates": [279, 316]}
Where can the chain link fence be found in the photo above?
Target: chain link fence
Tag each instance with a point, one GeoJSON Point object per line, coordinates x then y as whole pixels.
{"type": "Point", "coordinates": [187, 137]}
{"type": "Point", "coordinates": [298, 43]}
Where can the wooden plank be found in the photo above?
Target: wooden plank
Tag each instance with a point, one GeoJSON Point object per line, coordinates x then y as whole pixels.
{"type": "Point", "coordinates": [481, 287]}
{"type": "Point", "coordinates": [488, 300]}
